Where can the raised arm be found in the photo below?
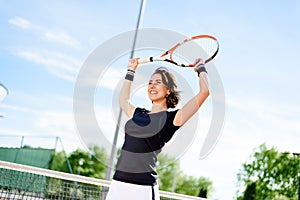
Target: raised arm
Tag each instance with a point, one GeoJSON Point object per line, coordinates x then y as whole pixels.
{"type": "Point", "coordinates": [192, 106]}
{"type": "Point", "coordinates": [124, 97]}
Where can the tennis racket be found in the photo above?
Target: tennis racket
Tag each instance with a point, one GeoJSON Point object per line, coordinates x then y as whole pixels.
{"type": "Point", "coordinates": [184, 53]}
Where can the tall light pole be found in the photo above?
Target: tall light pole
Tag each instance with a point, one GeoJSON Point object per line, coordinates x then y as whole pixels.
{"type": "Point", "coordinates": [114, 146]}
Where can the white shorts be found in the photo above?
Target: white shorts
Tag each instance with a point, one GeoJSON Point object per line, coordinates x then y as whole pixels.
{"type": "Point", "coordinates": [120, 190]}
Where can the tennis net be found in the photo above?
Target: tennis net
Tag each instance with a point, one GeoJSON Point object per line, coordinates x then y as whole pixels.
{"type": "Point", "coordinates": [25, 182]}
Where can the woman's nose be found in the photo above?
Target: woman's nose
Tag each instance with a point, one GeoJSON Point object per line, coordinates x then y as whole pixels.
{"type": "Point", "coordinates": [153, 85]}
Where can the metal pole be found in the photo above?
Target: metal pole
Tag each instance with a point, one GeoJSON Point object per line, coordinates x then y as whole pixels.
{"type": "Point", "coordinates": [114, 146]}
{"type": "Point", "coordinates": [65, 154]}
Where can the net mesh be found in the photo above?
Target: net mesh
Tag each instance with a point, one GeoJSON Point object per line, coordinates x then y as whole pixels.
{"type": "Point", "coordinates": [24, 185]}
{"type": "Point", "coordinates": [25, 182]}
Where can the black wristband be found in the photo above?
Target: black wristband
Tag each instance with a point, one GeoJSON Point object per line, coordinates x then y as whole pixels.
{"type": "Point", "coordinates": [130, 75]}
{"type": "Point", "coordinates": [201, 68]}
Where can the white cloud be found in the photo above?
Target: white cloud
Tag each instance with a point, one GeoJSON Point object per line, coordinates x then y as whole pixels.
{"type": "Point", "coordinates": [59, 37]}
{"type": "Point", "coordinates": [16, 108]}
{"type": "Point", "coordinates": [55, 121]}
{"type": "Point", "coordinates": [62, 38]}
{"type": "Point", "coordinates": [22, 23]}
{"type": "Point", "coordinates": [57, 64]}
{"type": "Point", "coordinates": [111, 78]}
{"type": "Point", "coordinates": [265, 114]}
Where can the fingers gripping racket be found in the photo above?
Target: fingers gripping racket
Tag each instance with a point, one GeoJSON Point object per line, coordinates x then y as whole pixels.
{"type": "Point", "coordinates": [205, 47]}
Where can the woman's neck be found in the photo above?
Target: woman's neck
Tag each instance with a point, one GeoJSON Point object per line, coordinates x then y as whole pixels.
{"type": "Point", "coordinates": [158, 108]}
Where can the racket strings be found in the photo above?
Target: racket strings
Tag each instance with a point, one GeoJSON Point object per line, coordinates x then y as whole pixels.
{"type": "Point", "coordinates": [186, 53]}
{"type": "Point", "coordinates": [208, 46]}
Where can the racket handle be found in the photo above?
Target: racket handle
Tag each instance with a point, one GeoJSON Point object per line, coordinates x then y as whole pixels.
{"type": "Point", "coordinates": [145, 60]}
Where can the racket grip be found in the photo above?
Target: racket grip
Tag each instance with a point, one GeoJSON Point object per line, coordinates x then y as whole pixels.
{"type": "Point", "coordinates": [145, 60]}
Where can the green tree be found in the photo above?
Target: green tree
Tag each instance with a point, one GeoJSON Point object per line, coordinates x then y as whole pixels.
{"type": "Point", "coordinates": [60, 162]}
{"type": "Point", "coordinates": [250, 192]}
{"type": "Point", "coordinates": [171, 178]}
{"type": "Point", "coordinates": [168, 170]}
{"type": "Point", "coordinates": [194, 186]}
{"type": "Point", "coordinates": [275, 174]}
{"type": "Point", "coordinates": [89, 164]}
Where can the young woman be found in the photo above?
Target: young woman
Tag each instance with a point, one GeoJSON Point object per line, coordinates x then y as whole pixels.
{"type": "Point", "coordinates": [147, 131]}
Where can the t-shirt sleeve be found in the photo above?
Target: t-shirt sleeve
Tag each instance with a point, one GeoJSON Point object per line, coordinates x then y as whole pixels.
{"type": "Point", "coordinates": [170, 119]}
{"type": "Point", "coordinates": [170, 128]}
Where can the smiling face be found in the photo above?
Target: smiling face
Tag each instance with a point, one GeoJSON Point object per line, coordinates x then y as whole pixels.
{"type": "Point", "coordinates": [157, 90]}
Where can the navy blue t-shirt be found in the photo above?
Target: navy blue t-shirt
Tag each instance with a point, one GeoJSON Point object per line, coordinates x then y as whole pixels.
{"type": "Point", "coordinates": [145, 135]}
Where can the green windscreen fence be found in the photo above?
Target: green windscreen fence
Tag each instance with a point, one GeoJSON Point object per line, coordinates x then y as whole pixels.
{"type": "Point", "coordinates": [36, 157]}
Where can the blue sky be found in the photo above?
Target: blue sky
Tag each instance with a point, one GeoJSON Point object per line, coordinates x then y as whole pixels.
{"type": "Point", "coordinates": [43, 45]}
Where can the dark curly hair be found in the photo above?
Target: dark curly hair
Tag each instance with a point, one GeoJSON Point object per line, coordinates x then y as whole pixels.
{"type": "Point", "coordinates": [169, 80]}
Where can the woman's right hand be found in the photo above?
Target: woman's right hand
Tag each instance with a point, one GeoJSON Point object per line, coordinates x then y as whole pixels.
{"type": "Point", "coordinates": [197, 62]}
{"type": "Point", "coordinates": [133, 64]}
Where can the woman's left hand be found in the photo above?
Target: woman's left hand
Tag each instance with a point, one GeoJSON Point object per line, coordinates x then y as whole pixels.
{"type": "Point", "coordinates": [133, 64]}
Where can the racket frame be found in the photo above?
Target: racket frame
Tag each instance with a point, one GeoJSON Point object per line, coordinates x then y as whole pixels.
{"type": "Point", "coordinates": [171, 51]}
